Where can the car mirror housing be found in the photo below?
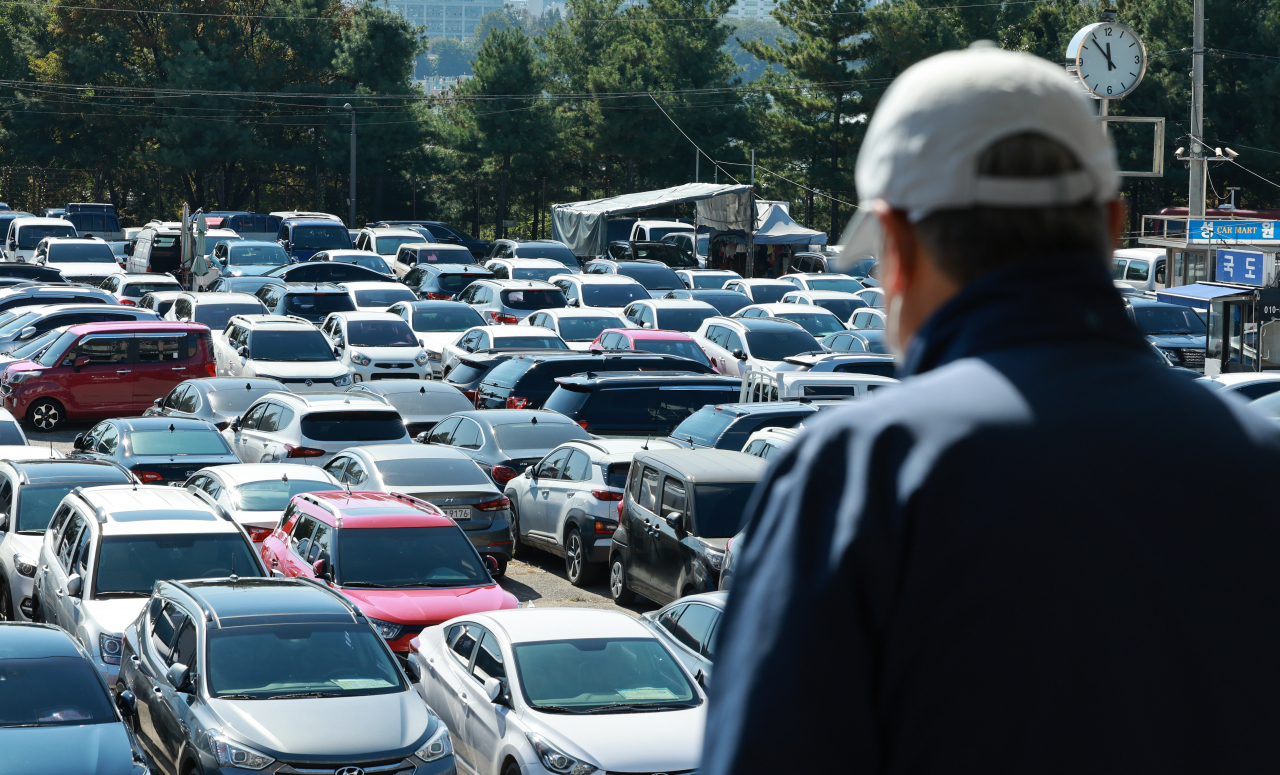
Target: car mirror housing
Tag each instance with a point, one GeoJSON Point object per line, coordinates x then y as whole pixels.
{"type": "Point", "coordinates": [75, 585]}
{"type": "Point", "coordinates": [179, 676]}
{"type": "Point", "coordinates": [81, 362]}
{"type": "Point", "coordinates": [127, 703]}
{"type": "Point", "coordinates": [495, 691]}
{"type": "Point", "coordinates": [235, 424]}
{"type": "Point", "coordinates": [740, 355]}
{"type": "Point", "coordinates": [4, 522]}
{"type": "Point", "coordinates": [529, 473]}
{"type": "Point", "coordinates": [491, 563]}
{"type": "Point", "coordinates": [318, 566]}
{"type": "Point", "coordinates": [412, 668]}
{"type": "Point", "coordinates": [676, 520]}
{"type": "Point", "coordinates": [158, 402]}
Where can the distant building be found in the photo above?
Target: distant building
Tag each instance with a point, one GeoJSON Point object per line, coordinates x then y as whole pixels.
{"type": "Point", "coordinates": [448, 18]}
{"type": "Point", "coordinates": [751, 9]}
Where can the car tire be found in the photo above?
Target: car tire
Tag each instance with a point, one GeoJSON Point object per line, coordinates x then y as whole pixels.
{"type": "Point", "coordinates": [6, 604]}
{"type": "Point", "coordinates": [510, 768]}
{"type": "Point", "coordinates": [37, 615]}
{"type": "Point", "coordinates": [577, 567]}
{"type": "Point", "coordinates": [618, 589]}
{"type": "Point", "coordinates": [46, 415]}
{"type": "Point", "coordinates": [502, 567]}
{"type": "Point", "coordinates": [518, 550]}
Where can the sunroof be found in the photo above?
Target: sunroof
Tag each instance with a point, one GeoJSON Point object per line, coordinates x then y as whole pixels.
{"type": "Point", "coordinates": [157, 514]}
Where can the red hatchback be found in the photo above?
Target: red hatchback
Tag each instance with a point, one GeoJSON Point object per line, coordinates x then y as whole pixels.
{"type": "Point", "coordinates": [99, 370]}
{"type": "Point", "coordinates": [650, 340]}
{"type": "Point", "coordinates": [399, 559]}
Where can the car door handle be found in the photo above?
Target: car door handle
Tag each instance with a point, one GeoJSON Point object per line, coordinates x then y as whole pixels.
{"type": "Point", "coordinates": [179, 368]}
{"type": "Point", "coordinates": [58, 592]}
{"type": "Point", "coordinates": [134, 659]}
{"type": "Point", "coordinates": [157, 690]}
{"type": "Point", "coordinates": [124, 371]}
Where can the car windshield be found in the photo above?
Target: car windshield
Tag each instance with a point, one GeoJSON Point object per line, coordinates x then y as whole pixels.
{"type": "Point", "coordinates": [594, 674]}
{"type": "Point", "coordinates": [51, 691]}
{"type": "Point", "coordinates": [296, 344]}
{"type": "Point", "coordinates": [216, 315]}
{"type": "Point", "coordinates": [338, 659]}
{"type": "Point", "coordinates": [770, 292]}
{"type": "Point", "coordinates": [409, 557]}
{"type": "Point", "coordinates": [816, 323]}
{"type": "Point", "coordinates": [704, 426]}
{"type": "Point", "coordinates": [454, 283]}
{"type": "Point", "coordinates": [384, 297]}
{"type": "Point", "coordinates": [136, 290]}
{"type": "Point", "coordinates": [681, 347]}
{"type": "Point", "coordinates": [380, 333]}
{"type": "Point", "coordinates": [353, 426]}
{"type": "Point", "coordinates": [30, 236]}
{"type": "Point", "coordinates": [81, 253]}
{"type": "Point", "coordinates": [842, 284]}
{"type": "Point", "coordinates": [529, 343]}
{"type": "Point", "coordinates": [387, 246]}
{"type": "Point", "coordinates": [274, 494]}
{"type": "Point", "coordinates": [37, 502]}
{"type": "Point", "coordinates": [683, 319]}
{"type": "Point", "coordinates": [28, 349]}
{"type": "Point", "coordinates": [535, 273]}
{"type": "Point", "coordinates": [706, 280]}
{"type": "Point", "coordinates": [16, 324]}
{"type": "Point", "coordinates": [178, 442]}
{"type": "Point", "coordinates": [542, 435]}
{"type": "Point", "coordinates": [321, 237]}
{"type": "Point", "coordinates": [554, 252]}
{"type": "Point", "coordinates": [668, 254]}
{"type": "Point", "coordinates": [132, 564]}
{"type": "Point", "coordinates": [368, 262]}
{"type": "Point", "coordinates": [54, 354]}
{"type": "Point", "coordinates": [455, 319]}
{"type": "Point", "coordinates": [1172, 319]}
{"type": "Point", "coordinates": [257, 255]}
{"type": "Point", "coordinates": [654, 277]}
{"type": "Point", "coordinates": [445, 255]}
{"type": "Point", "coordinates": [534, 299]}
{"type": "Point", "coordinates": [433, 471]}
{"type": "Point", "coordinates": [776, 345]}
{"type": "Point", "coordinates": [586, 329]}
{"type": "Point", "coordinates": [613, 294]}
{"type": "Point", "coordinates": [718, 508]}
{"type": "Point", "coordinates": [11, 435]}
{"type": "Point", "coordinates": [313, 305]}
{"type": "Point", "coordinates": [726, 303]}
{"type": "Point", "coordinates": [841, 308]}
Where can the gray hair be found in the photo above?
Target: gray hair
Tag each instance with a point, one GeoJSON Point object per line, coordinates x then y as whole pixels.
{"type": "Point", "coordinates": [967, 243]}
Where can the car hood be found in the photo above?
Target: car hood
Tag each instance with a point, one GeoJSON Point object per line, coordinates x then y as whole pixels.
{"type": "Point", "coordinates": [370, 725]}
{"type": "Point", "coordinates": [250, 270]}
{"type": "Point", "coordinates": [387, 353]}
{"type": "Point", "coordinates": [115, 615]}
{"type": "Point", "coordinates": [99, 270]}
{"type": "Point", "coordinates": [436, 340]}
{"type": "Point", "coordinates": [1177, 340]}
{"type": "Point", "coordinates": [429, 606]}
{"type": "Point", "coordinates": [27, 546]}
{"type": "Point", "coordinates": [596, 738]}
{"type": "Point", "coordinates": [314, 369]}
{"type": "Point", "coordinates": [92, 749]}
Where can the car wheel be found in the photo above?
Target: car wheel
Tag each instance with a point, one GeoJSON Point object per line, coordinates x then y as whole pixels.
{"type": "Point", "coordinates": [46, 415]}
{"type": "Point", "coordinates": [510, 768]}
{"type": "Point", "coordinates": [6, 603]}
{"type": "Point", "coordinates": [518, 550]}
{"type": "Point", "coordinates": [618, 589]}
{"type": "Point", "coordinates": [580, 571]}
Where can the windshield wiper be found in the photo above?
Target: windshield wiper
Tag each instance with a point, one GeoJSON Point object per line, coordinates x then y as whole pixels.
{"type": "Point", "coordinates": [427, 584]}
{"type": "Point", "coordinates": [557, 709]}
{"type": "Point", "coordinates": [369, 584]}
{"type": "Point", "coordinates": [642, 707]}
{"type": "Point", "coordinates": [121, 593]}
{"type": "Point", "coordinates": [237, 697]}
{"type": "Point", "coordinates": [304, 695]}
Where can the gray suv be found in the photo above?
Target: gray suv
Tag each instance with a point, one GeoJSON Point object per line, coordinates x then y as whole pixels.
{"type": "Point", "coordinates": [203, 656]}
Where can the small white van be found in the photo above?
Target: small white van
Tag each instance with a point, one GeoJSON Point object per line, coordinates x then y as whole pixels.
{"type": "Point", "coordinates": [1143, 269]}
{"type": "Point", "coordinates": [26, 233]}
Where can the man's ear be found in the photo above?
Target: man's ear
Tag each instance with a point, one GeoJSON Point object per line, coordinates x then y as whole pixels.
{"type": "Point", "coordinates": [900, 252]}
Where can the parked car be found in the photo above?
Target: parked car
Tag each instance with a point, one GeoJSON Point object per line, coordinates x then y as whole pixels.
{"type": "Point", "coordinates": [873, 339]}
{"type": "Point", "coordinates": [365, 258]}
{"type": "Point", "coordinates": [842, 342]}
{"type": "Point", "coordinates": [30, 491]}
{"type": "Point", "coordinates": [526, 381]}
{"type": "Point", "coordinates": [737, 344]}
{"type": "Point", "coordinates": [504, 441]}
{"type": "Point", "coordinates": [436, 324]}
{"type": "Point", "coordinates": [25, 295]}
{"type": "Point", "coordinates": [1176, 330]}
{"type": "Point", "coordinates": [578, 327]}
{"type": "Point", "coordinates": [303, 237]}
{"type": "Point", "coordinates": [566, 503]}
{"type": "Point", "coordinates": [867, 319]}
{"type": "Point", "coordinates": [842, 305]}
{"type": "Point", "coordinates": [657, 342]}
{"type": "Point", "coordinates": [816, 321]}
{"type": "Point", "coordinates": [525, 268]}
{"type": "Point", "coordinates": [854, 361]}
{"type": "Point", "coordinates": [539, 248]}
{"type": "Point", "coordinates": [58, 713]}
{"type": "Point", "coordinates": [500, 337]}
{"type": "Point", "coordinates": [18, 274]}
{"type": "Point", "coordinates": [386, 240]}
{"type": "Point", "coordinates": [660, 252]}
{"type": "Point", "coordinates": [522, 702]}
{"type": "Point", "coordinates": [472, 368]}
{"type": "Point", "coordinates": [656, 277]}
{"type": "Point", "coordinates": [679, 510]}
{"type": "Point", "coordinates": [1142, 269]}
{"type": "Point", "coordinates": [287, 426]}
{"type": "Point", "coordinates": [688, 628]}
{"type": "Point", "coordinates": [694, 244]}
{"type": "Point", "coordinates": [30, 322]}
{"type": "Point", "coordinates": [214, 310]}
{"type": "Point", "coordinates": [650, 230]}
{"type": "Point", "coordinates": [442, 282]}
{"type": "Point", "coordinates": [510, 301]}
{"type": "Point", "coordinates": [730, 424]}
{"type": "Point", "coordinates": [420, 404]}
{"type": "Point", "coordinates": [312, 302]}
{"type": "Point", "coordinates": [248, 258]}
{"type": "Point", "coordinates": [129, 288]}
{"type": "Point", "coordinates": [760, 291]}
{"type": "Point", "coordinates": [841, 283]}
{"type": "Point", "coordinates": [376, 346]}
{"type": "Point", "coordinates": [256, 495]}
{"type": "Point", "coordinates": [87, 261]}
{"type": "Point", "coordinates": [813, 263]}
{"type": "Point", "coordinates": [423, 256]}
{"type": "Point", "coordinates": [157, 249]}
{"type": "Point", "coordinates": [669, 314]}
{"type": "Point", "coordinates": [378, 297]}
{"type": "Point", "coordinates": [702, 279]}
{"type": "Point", "coordinates": [22, 351]}
{"type": "Point", "coordinates": [446, 233]}
{"type": "Point", "coordinates": [26, 233]}
{"type": "Point", "coordinates": [217, 400]}
{"type": "Point", "coordinates": [601, 291]}
{"type": "Point", "coordinates": [308, 650]}
{"type": "Point", "coordinates": [311, 272]}
{"type": "Point", "coordinates": [245, 284]}
{"type": "Point", "coordinates": [105, 549]}
{"type": "Point", "coordinates": [155, 449]}
{"type": "Point", "coordinates": [290, 351]}
{"type": "Point", "coordinates": [105, 370]}
{"type": "Point", "coordinates": [764, 444]}
{"type": "Point", "coordinates": [439, 475]}
{"type": "Point", "coordinates": [160, 302]}
{"type": "Point", "coordinates": [727, 302]}
{"type": "Point", "coordinates": [640, 404]}
{"type": "Point", "coordinates": [1249, 385]}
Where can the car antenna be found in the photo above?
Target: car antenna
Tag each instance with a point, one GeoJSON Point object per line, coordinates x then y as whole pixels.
{"type": "Point", "coordinates": [646, 443]}
{"type": "Point", "coordinates": [247, 386]}
{"type": "Point", "coordinates": [234, 577]}
{"type": "Point", "coordinates": [284, 478]}
{"type": "Point", "coordinates": [534, 421]}
{"type": "Point", "coordinates": [422, 391]}
{"type": "Point", "coordinates": [171, 427]}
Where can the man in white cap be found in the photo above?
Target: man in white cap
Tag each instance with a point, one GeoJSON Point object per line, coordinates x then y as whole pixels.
{"type": "Point", "coordinates": [1022, 559]}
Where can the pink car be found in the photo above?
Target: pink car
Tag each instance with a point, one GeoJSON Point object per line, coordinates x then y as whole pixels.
{"type": "Point", "coordinates": [648, 340]}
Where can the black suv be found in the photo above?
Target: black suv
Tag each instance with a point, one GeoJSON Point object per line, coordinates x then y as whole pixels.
{"type": "Point", "coordinates": [640, 404]}
{"type": "Point", "coordinates": [535, 248]}
{"type": "Point", "coordinates": [526, 381]}
{"type": "Point", "coordinates": [662, 252]}
{"type": "Point", "coordinates": [473, 367]}
{"type": "Point", "coordinates": [729, 425]}
{"type": "Point", "coordinates": [311, 301]}
{"type": "Point", "coordinates": [679, 511]}
{"type": "Point", "coordinates": [656, 277]}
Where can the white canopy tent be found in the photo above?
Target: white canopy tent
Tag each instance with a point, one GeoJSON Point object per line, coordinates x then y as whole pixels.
{"type": "Point", "coordinates": [779, 228]}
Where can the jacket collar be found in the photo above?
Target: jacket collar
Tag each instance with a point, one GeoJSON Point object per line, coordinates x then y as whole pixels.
{"type": "Point", "coordinates": [1043, 301]}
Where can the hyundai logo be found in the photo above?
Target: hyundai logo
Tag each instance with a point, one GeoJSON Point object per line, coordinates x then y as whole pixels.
{"type": "Point", "coordinates": [358, 771]}
{"type": "Point", "coordinates": [349, 771]}
{"type": "Point", "coordinates": [448, 500]}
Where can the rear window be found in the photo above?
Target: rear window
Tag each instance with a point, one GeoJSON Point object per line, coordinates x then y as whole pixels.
{"type": "Point", "coordinates": [585, 329]}
{"type": "Point", "coordinates": [615, 474]}
{"type": "Point", "coordinates": [215, 316]}
{"type": "Point", "coordinates": [456, 319]}
{"type": "Point", "coordinates": [710, 280]}
{"type": "Point", "coordinates": [321, 237]}
{"type": "Point", "coordinates": [611, 295]}
{"type": "Point", "coordinates": [704, 426]}
{"type": "Point", "coordinates": [683, 319]}
{"type": "Point", "coordinates": [506, 374]}
{"type": "Point", "coordinates": [136, 290]}
{"type": "Point", "coordinates": [534, 299]}
{"type": "Point", "coordinates": [530, 343]}
{"type": "Point", "coordinates": [684, 348]}
{"type": "Point", "coordinates": [178, 442]}
{"type": "Point", "coordinates": [543, 435]}
{"type": "Point", "coordinates": [645, 409]}
{"type": "Point", "coordinates": [842, 284]}
{"type": "Point", "coordinates": [417, 471]}
{"type": "Point", "coordinates": [454, 283]}
{"type": "Point", "coordinates": [653, 277]}
{"type": "Point", "coordinates": [98, 253]}
{"type": "Point", "coordinates": [554, 252]}
{"type": "Point", "coordinates": [443, 255]}
{"type": "Point", "coordinates": [311, 304]}
{"type": "Point", "coordinates": [726, 303]}
{"type": "Point", "coordinates": [465, 374]}
{"type": "Point", "coordinates": [353, 426]}
{"type": "Point", "coordinates": [535, 273]}
{"type": "Point", "coordinates": [777, 345]}
{"type": "Point", "coordinates": [768, 294]}
{"type": "Point", "coordinates": [878, 369]}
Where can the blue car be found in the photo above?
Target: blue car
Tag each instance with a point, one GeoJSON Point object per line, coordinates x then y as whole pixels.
{"type": "Point", "coordinates": [56, 715]}
{"type": "Point", "coordinates": [303, 238]}
{"type": "Point", "coordinates": [158, 450]}
{"type": "Point", "coordinates": [248, 259]}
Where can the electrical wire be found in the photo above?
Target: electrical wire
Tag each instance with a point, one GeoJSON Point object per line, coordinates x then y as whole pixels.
{"type": "Point", "coordinates": [691, 142]}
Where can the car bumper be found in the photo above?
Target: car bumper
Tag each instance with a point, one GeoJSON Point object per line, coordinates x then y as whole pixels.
{"type": "Point", "coordinates": [373, 373]}
{"type": "Point", "coordinates": [599, 549]}
{"type": "Point", "coordinates": [20, 593]}
{"type": "Point", "coordinates": [494, 540]}
{"type": "Point", "coordinates": [443, 766]}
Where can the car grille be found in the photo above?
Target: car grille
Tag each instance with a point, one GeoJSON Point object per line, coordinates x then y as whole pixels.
{"type": "Point", "coordinates": [303, 380]}
{"type": "Point", "coordinates": [395, 376]}
{"type": "Point", "coordinates": [382, 767]}
{"type": "Point", "coordinates": [87, 279]}
{"type": "Point", "coordinates": [1191, 358]}
{"type": "Point", "coordinates": [394, 365]}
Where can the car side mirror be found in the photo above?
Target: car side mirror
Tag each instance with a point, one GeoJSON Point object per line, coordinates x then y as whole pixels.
{"type": "Point", "coordinates": [81, 362]}
{"type": "Point", "coordinates": [127, 703]}
{"type": "Point", "coordinates": [128, 249]}
{"type": "Point", "coordinates": [530, 474]}
{"type": "Point", "coordinates": [676, 520]}
{"type": "Point", "coordinates": [4, 522]}
{"type": "Point", "coordinates": [495, 691]}
{"type": "Point", "coordinates": [235, 424]}
{"type": "Point", "coordinates": [75, 585]}
{"type": "Point", "coordinates": [159, 401]}
{"type": "Point", "coordinates": [453, 240]}
{"type": "Point", "coordinates": [78, 442]}
{"type": "Point", "coordinates": [573, 302]}
{"type": "Point", "coordinates": [337, 351]}
{"type": "Point", "coordinates": [421, 438]}
{"type": "Point", "coordinates": [242, 351]}
{"type": "Point", "coordinates": [26, 333]}
{"type": "Point", "coordinates": [491, 563]}
{"type": "Point", "coordinates": [412, 668]}
{"type": "Point", "coordinates": [179, 676]}
{"type": "Point", "coordinates": [704, 679]}
{"type": "Point", "coordinates": [318, 567]}
{"type": "Point", "coordinates": [597, 351]}
{"type": "Point", "coordinates": [740, 355]}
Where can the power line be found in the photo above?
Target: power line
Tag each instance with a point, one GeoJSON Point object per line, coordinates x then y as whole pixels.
{"type": "Point", "coordinates": [690, 139]}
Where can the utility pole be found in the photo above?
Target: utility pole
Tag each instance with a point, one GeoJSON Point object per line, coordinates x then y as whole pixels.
{"type": "Point", "coordinates": [351, 221]}
{"type": "Point", "coordinates": [697, 166]}
{"type": "Point", "coordinates": [753, 169]}
{"type": "Point", "coordinates": [1196, 193]}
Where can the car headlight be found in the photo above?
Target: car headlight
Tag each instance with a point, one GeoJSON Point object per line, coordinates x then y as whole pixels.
{"type": "Point", "coordinates": [342, 381]}
{"type": "Point", "coordinates": [439, 746]}
{"type": "Point", "coordinates": [715, 560]}
{"type": "Point", "coordinates": [420, 359]}
{"type": "Point", "coordinates": [360, 359]}
{"type": "Point", "coordinates": [110, 646]}
{"type": "Point", "coordinates": [556, 760]}
{"type": "Point", "coordinates": [388, 630]}
{"type": "Point", "coordinates": [18, 377]}
{"type": "Point", "coordinates": [231, 754]}
{"type": "Point", "coordinates": [24, 566]}
{"type": "Point", "coordinates": [433, 356]}
{"type": "Point", "coordinates": [236, 273]}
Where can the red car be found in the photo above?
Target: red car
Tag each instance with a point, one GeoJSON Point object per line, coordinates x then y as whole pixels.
{"type": "Point", "coordinates": [649, 340]}
{"type": "Point", "coordinates": [99, 370]}
{"type": "Point", "coordinates": [399, 559]}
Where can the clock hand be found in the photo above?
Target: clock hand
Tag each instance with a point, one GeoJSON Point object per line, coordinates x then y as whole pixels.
{"type": "Point", "coordinates": [1110, 65]}
{"type": "Point", "coordinates": [1105, 53]}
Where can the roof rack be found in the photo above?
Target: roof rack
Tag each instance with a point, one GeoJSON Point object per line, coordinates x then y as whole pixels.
{"type": "Point", "coordinates": [412, 501]}
{"type": "Point", "coordinates": [298, 319]}
{"type": "Point", "coordinates": [209, 615]}
{"type": "Point", "coordinates": [355, 612]}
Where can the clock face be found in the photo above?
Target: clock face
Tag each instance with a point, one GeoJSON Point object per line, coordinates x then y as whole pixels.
{"type": "Point", "coordinates": [1111, 59]}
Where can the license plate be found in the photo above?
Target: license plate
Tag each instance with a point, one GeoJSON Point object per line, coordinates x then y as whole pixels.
{"type": "Point", "coordinates": [457, 514]}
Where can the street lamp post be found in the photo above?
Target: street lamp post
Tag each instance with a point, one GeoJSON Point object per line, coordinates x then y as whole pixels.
{"type": "Point", "coordinates": [351, 222]}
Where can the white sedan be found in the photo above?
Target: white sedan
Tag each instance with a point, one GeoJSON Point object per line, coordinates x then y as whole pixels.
{"type": "Point", "coordinates": [560, 690]}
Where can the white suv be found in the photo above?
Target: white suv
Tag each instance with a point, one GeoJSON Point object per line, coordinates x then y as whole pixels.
{"type": "Point", "coordinates": [376, 345]}
{"type": "Point", "coordinates": [567, 503]}
{"type": "Point", "coordinates": [610, 291]}
{"type": "Point", "coordinates": [735, 345]}
{"type": "Point", "coordinates": [377, 296]}
{"type": "Point", "coordinates": [106, 547]}
{"type": "Point", "coordinates": [287, 349]}
{"type": "Point", "coordinates": [287, 427]}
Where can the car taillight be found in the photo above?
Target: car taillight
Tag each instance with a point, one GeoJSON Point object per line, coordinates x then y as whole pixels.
{"type": "Point", "coordinates": [606, 527]}
{"type": "Point", "coordinates": [620, 510]}
{"type": "Point", "coordinates": [583, 423]}
{"type": "Point", "coordinates": [517, 402]}
{"type": "Point", "coordinates": [147, 476]}
{"type": "Point", "coordinates": [503, 318]}
{"type": "Point", "coordinates": [471, 396]}
{"type": "Point", "coordinates": [728, 545]}
{"type": "Point", "coordinates": [129, 302]}
{"type": "Point", "coordinates": [607, 495]}
{"type": "Point", "coordinates": [296, 451]}
{"type": "Point", "coordinates": [212, 369]}
{"type": "Point", "coordinates": [503, 474]}
{"type": "Point", "coordinates": [259, 534]}
{"type": "Point", "coordinates": [438, 296]}
{"type": "Point", "coordinates": [501, 503]}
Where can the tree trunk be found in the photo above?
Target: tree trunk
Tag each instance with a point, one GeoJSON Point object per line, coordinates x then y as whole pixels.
{"type": "Point", "coordinates": [500, 227]}
{"type": "Point", "coordinates": [631, 174]}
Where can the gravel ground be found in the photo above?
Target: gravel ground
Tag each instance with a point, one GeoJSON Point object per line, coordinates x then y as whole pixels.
{"type": "Point", "coordinates": [61, 438]}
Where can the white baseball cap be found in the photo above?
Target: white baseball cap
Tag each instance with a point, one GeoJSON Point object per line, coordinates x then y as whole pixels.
{"type": "Point", "coordinates": [922, 147]}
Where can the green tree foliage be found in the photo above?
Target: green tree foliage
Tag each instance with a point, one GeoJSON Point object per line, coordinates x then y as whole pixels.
{"type": "Point", "coordinates": [762, 31]}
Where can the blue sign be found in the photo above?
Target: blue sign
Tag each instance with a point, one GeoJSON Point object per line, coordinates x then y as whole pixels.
{"type": "Point", "coordinates": [1233, 232]}
{"type": "Point", "coordinates": [1243, 267]}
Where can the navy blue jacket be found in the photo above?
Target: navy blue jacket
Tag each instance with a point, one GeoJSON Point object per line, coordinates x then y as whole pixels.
{"type": "Point", "coordinates": [1044, 553]}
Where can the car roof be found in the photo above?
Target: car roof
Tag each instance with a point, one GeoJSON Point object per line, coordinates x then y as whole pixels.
{"type": "Point", "coordinates": [259, 321]}
{"type": "Point", "coordinates": [252, 243]}
{"type": "Point", "coordinates": [161, 423]}
{"type": "Point", "coordinates": [130, 276]}
{"type": "Point", "coordinates": [519, 330]}
{"type": "Point", "coordinates": [598, 279]}
{"type": "Point", "coordinates": [125, 509]}
{"type": "Point", "coordinates": [511, 416]}
{"type": "Point", "coordinates": [351, 252]}
{"type": "Point", "coordinates": [1138, 301]}
{"type": "Point", "coordinates": [714, 291]}
{"type": "Point", "coordinates": [74, 241]}
{"type": "Point", "coordinates": [457, 268]}
{"type": "Point", "coordinates": [311, 220]}
{"type": "Point", "coordinates": [262, 600]}
{"type": "Point", "coordinates": [394, 386]}
{"type": "Point", "coordinates": [752, 282]}
{"type": "Point", "coordinates": [392, 231]}
{"type": "Point", "coordinates": [623, 448]}
{"type": "Point", "coordinates": [322, 287]}
{"type": "Point", "coordinates": [783, 308]}
{"type": "Point", "coordinates": [44, 221]}
{"type": "Point", "coordinates": [761, 324]}
{"type": "Point", "coordinates": [682, 224]}
{"type": "Point", "coordinates": [371, 285]}
{"type": "Point", "coordinates": [1231, 379]}
{"type": "Point", "coordinates": [538, 624]}
{"type": "Point", "coordinates": [136, 326]}
{"type": "Point", "coordinates": [648, 333]}
{"type": "Point", "coordinates": [409, 452]}
{"type": "Point", "coordinates": [220, 297]}
{"type": "Point", "coordinates": [629, 378]}
{"type": "Point", "coordinates": [368, 509]}
{"type": "Point", "coordinates": [675, 304]}
{"type": "Point", "coordinates": [704, 466]}
{"type": "Point", "coordinates": [824, 294]}
{"type": "Point", "coordinates": [537, 285]}
{"type": "Point", "coordinates": [576, 312]}
{"type": "Point", "coordinates": [530, 263]}
{"type": "Point", "coordinates": [239, 473]}
{"type": "Point", "coordinates": [321, 400]}
{"type": "Point", "coordinates": [27, 640]}
{"type": "Point", "coordinates": [66, 471]}
{"type": "Point", "coordinates": [367, 315]}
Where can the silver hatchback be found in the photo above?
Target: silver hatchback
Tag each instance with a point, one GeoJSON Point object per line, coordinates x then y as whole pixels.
{"type": "Point", "coordinates": [510, 301]}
